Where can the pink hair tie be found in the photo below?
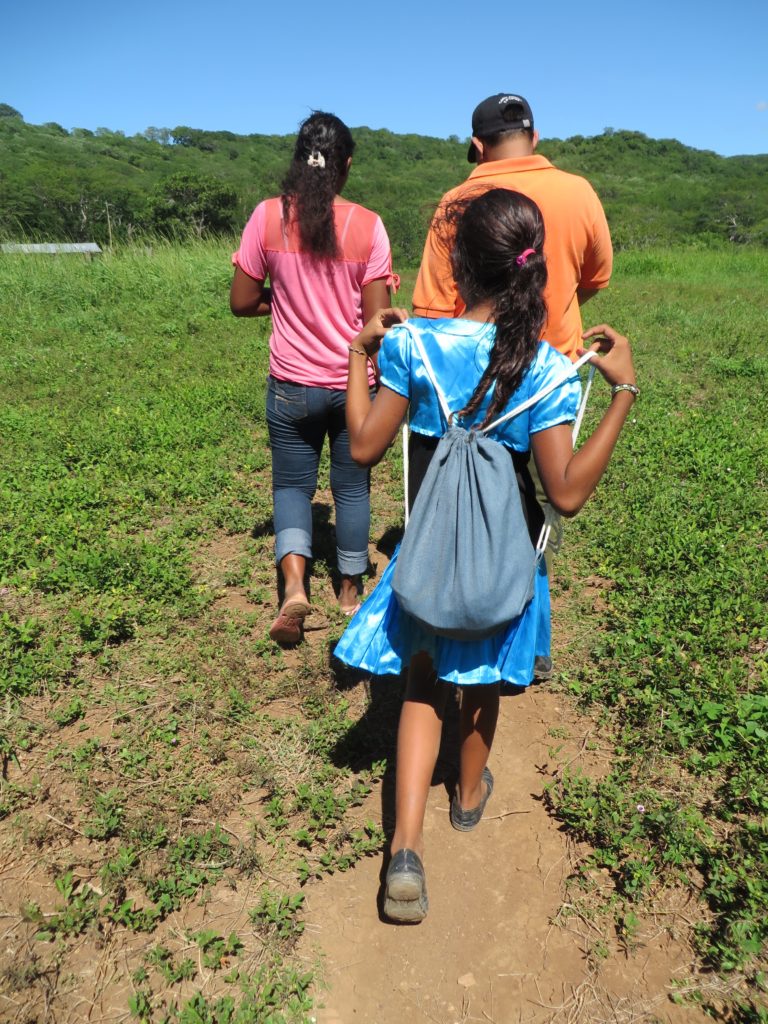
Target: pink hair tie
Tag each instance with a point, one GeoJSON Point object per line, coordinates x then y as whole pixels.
{"type": "Point", "coordinates": [523, 257]}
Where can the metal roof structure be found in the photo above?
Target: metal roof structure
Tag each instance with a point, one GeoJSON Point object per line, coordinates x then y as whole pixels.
{"type": "Point", "coordinates": [51, 248]}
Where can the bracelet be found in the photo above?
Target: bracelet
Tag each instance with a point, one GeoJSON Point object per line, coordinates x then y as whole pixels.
{"type": "Point", "coordinates": [358, 351]}
{"type": "Point", "coordinates": [635, 392]}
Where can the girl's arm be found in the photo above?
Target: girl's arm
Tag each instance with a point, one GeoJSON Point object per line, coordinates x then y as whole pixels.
{"type": "Point", "coordinates": [570, 478]}
{"type": "Point", "coordinates": [248, 296]}
{"type": "Point", "coordinates": [372, 425]}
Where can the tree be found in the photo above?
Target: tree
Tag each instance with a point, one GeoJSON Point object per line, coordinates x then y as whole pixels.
{"type": "Point", "coordinates": [183, 135]}
{"type": "Point", "coordinates": [6, 110]}
{"type": "Point", "coordinates": [161, 135]}
{"type": "Point", "coordinates": [192, 201]}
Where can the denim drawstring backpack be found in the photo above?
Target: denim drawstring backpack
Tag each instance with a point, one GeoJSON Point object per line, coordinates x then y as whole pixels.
{"type": "Point", "coordinates": [466, 565]}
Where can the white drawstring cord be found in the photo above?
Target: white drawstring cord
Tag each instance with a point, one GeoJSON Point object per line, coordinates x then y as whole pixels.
{"type": "Point", "coordinates": [552, 519]}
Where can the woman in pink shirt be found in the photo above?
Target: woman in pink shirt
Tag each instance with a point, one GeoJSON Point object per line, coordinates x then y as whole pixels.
{"type": "Point", "coordinates": [330, 268]}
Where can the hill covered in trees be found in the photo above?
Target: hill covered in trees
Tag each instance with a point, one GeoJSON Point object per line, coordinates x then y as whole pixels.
{"type": "Point", "coordinates": [59, 185]}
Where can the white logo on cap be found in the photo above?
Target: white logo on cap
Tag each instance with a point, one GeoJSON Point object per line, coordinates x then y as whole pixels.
{"type": "Point", "coordinates": [510, 99]}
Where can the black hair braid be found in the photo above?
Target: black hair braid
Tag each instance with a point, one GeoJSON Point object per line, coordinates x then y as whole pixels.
{"type": "Point", "coordinates": [323, 147]}
{"type": "Point", "coordinates": [493, 230]}
{"type": "Point", "coordinates": [519, 315]}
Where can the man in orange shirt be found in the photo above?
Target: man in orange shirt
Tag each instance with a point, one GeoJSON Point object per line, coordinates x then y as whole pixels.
{"type": "Point", "coordinates": [577, 241]}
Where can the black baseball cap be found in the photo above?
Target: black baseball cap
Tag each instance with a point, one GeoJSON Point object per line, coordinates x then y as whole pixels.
{"type": "Point", "coordinates": [504, 112]}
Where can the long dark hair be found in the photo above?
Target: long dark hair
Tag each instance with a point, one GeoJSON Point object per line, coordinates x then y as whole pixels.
{"type": "Point", "coordinates": [492, 232]}
{"type": "Point", "coordinates": [319, 167]}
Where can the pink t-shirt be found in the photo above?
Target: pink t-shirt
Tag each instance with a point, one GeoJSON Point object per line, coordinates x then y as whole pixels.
{"type": "Point", "coordinates": [316, 303]}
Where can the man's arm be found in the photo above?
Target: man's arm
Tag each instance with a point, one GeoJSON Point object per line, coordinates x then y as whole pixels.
{"type": "Point", "coordinates": [598, 259]}
{"type": "Point", "coordinates": [585, 294]}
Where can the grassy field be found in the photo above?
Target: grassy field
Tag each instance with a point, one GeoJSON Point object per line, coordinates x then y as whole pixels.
{"type": "Point", "coordinates": [158, 751]}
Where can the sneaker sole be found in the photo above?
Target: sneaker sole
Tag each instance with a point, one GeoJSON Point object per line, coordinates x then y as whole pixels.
{"type": "Point", "coordinates": [404, 887]}
{"type": "Point", "coordinates": [405, 890]}
{"type": "Point", "coordinates": [406, 910]}
{"type": "Point", "coordinates": [289, 625]}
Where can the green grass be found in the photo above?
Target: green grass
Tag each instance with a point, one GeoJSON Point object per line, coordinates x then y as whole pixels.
{"type": "Point", "coordinates": [134, 497]}
{"type": "Point", "coordinates": [680, 664]}
{"type": "Point", "coordinates": [132, 417]}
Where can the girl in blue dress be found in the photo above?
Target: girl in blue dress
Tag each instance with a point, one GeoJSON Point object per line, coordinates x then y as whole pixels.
{"type": "Point", "coordinates": [486, 362]}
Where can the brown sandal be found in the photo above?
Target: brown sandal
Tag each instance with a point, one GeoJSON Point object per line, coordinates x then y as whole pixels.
{"type": "Point", "coordinates": [288, 627]}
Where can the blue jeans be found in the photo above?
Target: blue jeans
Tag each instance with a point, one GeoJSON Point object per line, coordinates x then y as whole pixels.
{"type": "Point", "coordinates": [299, 417]}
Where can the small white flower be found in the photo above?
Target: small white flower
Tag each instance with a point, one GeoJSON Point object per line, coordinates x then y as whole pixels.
{"type": "Point", "coordinates": [641, 808]}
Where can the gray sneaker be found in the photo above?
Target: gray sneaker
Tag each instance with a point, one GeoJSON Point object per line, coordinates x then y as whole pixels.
{"type": "Point", "coordinates": [463, 820]}
{"type": "Point", "coordinates": [405, 891]}
{"type": "Point", "coordinates": [542, 668]}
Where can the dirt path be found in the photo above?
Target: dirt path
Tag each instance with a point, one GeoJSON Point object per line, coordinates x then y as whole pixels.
{"type": "Point", "coordinates": [504, 940]}
{"type": "Point", "coordinates": [490, 948]}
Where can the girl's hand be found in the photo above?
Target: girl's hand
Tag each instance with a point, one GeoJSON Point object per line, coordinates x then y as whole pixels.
{"type": "Point", "coordinates": [370, 336]}
{"type": "Point", "coordinates": [616, 364]}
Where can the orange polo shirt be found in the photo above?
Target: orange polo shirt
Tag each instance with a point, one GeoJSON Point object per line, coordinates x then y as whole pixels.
{"type": "Point", "coordinates": [577, 244]}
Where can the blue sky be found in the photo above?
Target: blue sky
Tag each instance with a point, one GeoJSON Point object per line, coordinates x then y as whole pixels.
{"type": "Point", "coordinates": [695, 71]}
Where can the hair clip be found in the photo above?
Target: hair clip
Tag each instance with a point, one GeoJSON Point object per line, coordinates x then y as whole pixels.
{"type": "Point", "coordinates": [316, 159]}
{"type": "Point", "coordinates": [522, 259]}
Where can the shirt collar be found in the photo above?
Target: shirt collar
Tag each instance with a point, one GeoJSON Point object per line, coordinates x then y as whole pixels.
{"type": "Point", "coordinates": [516, 163]}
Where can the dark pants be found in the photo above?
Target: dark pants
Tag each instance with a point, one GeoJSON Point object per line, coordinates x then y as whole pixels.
{"type": "Point", "coordinates": [421, 448]}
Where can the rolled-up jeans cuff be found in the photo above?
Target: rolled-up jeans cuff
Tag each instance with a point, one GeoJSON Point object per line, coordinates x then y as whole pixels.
{"type": "Point", "coordinates": [292, 541]}
{"type": "Point", "coordinates": [352, 563]}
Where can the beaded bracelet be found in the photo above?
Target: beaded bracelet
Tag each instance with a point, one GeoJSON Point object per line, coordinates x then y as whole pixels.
{"type": "Point", "coordinates": [635, 392]}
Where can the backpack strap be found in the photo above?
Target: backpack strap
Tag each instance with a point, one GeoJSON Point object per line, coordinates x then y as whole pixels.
{"type": "Point", "coordinates": [406, 468]}
{"type": "Point", "coordinates": [583, 406]}
{"type": "Point", "coordinates": [448, 415]}
{"type": "Point", "coordinates": [553, 386]}
{"type": "Point", "coordinates": [558, 382]}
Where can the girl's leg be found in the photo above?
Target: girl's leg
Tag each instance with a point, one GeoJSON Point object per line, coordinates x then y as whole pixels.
{"type": "Point", "coordinates": [418, 744]}
{"type": "Point", "coordinates": [479, 714]}
{"type": "Point", "coordinates": [350, 485]}
{"type": "Point", "coordinates": [296, 437]}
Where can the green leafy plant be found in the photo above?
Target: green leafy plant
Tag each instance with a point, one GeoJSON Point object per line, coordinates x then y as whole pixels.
{"type": "Point", "coordinates": [79, 910]}
{"type": "Point", "coordinates": [216, 950]}
{"type": "Point", "coordinates": [161, 959]}
{"type": "Point", "coordinates": [107, 815]}
{"type": "Point", "coordinates": [70, 713]}
{"type": "Point", "coordinates": [277, 915]}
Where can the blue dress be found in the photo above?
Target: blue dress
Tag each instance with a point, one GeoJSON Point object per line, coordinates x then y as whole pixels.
{"type": "Point", "coordinates": [381, 639]}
